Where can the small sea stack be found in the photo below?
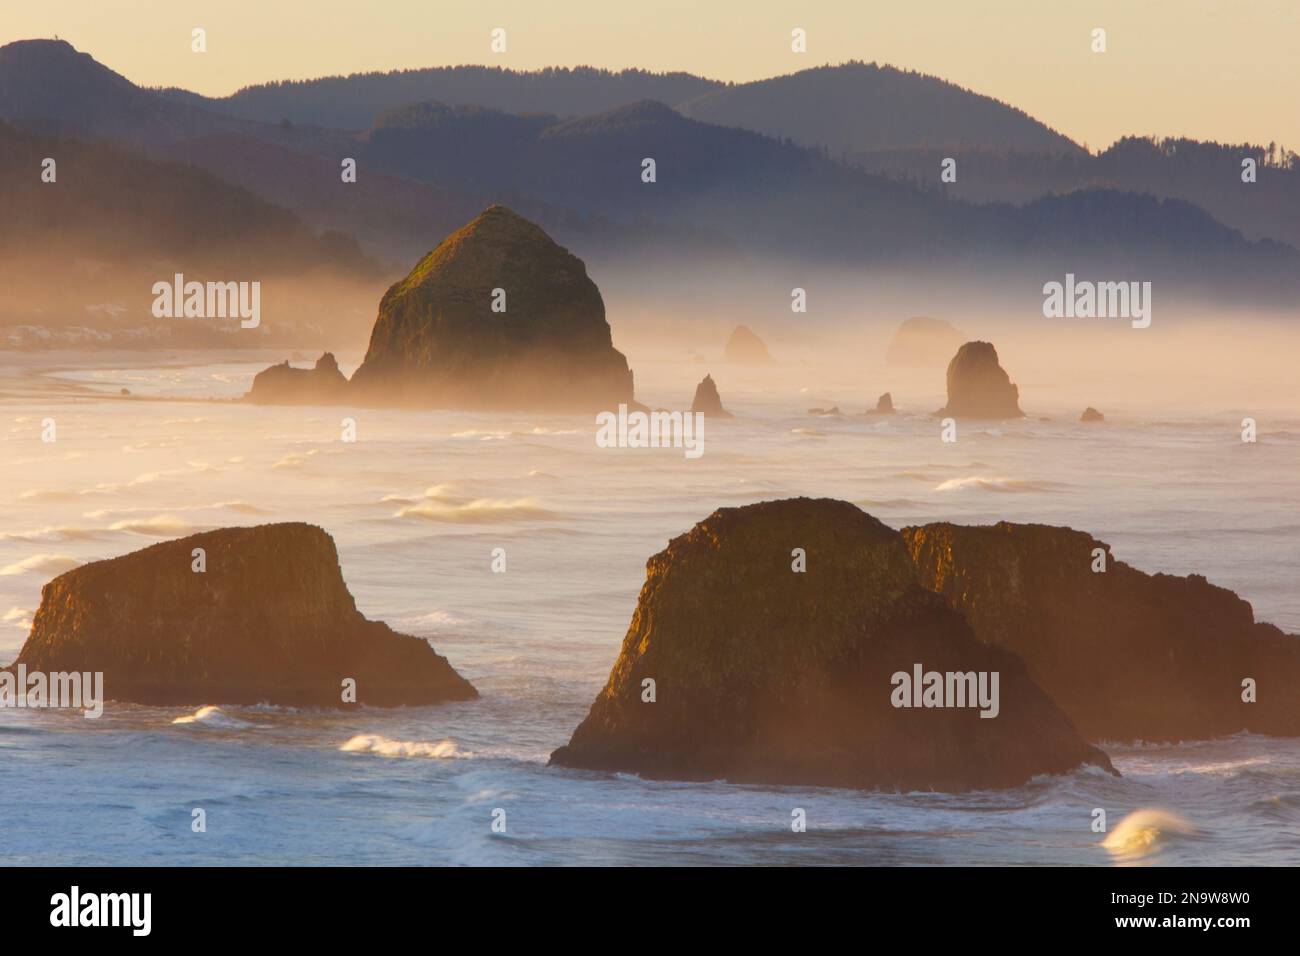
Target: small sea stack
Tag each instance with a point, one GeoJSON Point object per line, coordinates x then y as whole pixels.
{"type": "Point", "coordinates": [978, 387]}
{"type": "Point", "coordinates": [232, 616]}
{"type": "Point", "coordinates": [884, 405]}
{"type": "Point", "coordinates": [746, 348]}
{"type": "Point", "coordinates": [1091, 414]}
{"type": "Point", "coordinates": [786, 643]}
{"type": "Point", "coordinates": [707, 399]}
{"type": "Point", "coordinates": [283, 384]}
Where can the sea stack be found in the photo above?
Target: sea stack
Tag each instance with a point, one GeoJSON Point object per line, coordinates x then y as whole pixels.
{"type": "Point", "coordinates": [978, 387]}
{"type": "Point", "coordinates": [1091, 414]}
{"type": "Point", "coordinates": [498, 316]}
{"type": "Point", "coordinates": [746, 348]}
{"type": "Point", "coordinates": [232, 616]}
{"type": "Point", "coordinates": [884, 405]}
{"type": "Point", "coordinates": [922, 342]}
{"type": "Point", "coordinates": [764, 649]}
{"type": "Point", "coordinates": [1127, 655]}
{"type": "Point", "coordinates": [285, 385]}
{"type": "Point", "coordinates": [707, 399]}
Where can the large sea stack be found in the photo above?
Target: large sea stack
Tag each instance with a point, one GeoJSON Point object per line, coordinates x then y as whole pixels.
{"type": "Point", "coordinates": [1127, 655]}
{"type": "Point", "coordinates": [766, 674]}
{"type": "Point", "coordinates": [497, 316]}
{"type": "Point", "coordinates": [268, 620]}
{"type": "Point", "coordinates": [978, 387]}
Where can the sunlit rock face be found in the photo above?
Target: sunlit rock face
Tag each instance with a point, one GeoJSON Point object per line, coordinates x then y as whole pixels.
{"type": "Point", "coordinates": [760, 672]}
{"type": "Point", "coordinates": [1126, 655]}
{"type": "Point", "coordinates": [257, 615]}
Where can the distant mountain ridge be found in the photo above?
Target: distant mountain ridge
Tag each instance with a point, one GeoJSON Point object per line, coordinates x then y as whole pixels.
{"type": "Point", "coordinates": [859, 106]}
{"type": "Point", "coordinates": [717, 189]}
{"type": "Point", "coordinates": [354, 101]}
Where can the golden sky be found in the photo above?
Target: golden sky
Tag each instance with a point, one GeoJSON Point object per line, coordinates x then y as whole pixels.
{"type": "Point", "coordinates": [1227, 70]}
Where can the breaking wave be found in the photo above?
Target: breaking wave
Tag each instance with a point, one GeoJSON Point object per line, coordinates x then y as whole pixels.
{"type": "Point", "coordinates": [1006, 485]}
{"type": "Point", "coordinates": [387, 747]}
{"type": "Point", "coordinates": [1145, 831]}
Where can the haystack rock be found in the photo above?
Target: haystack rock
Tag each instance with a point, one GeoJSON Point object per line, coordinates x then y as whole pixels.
{"type": "Point", "coordinates": [497, 316]}
{"type": "Point", "coordinates": [285, 385]}
{"type": "Point", "coordinates": [269, 620]}
{"type": "Point", "coordinates": [978, 387]}
{"type": "Point", "coordinates": [922, 342]}
{"type": "Point", "coordinates": [1126, 655]}
{"type": "Point", "coordinates": [1091, 414]}
{"type": "Point", "coordinates": [746, 348]}
{"type": "Point", "coordinates": [707, 399]}
{"type": "Point", "coordinates": [764, 674]}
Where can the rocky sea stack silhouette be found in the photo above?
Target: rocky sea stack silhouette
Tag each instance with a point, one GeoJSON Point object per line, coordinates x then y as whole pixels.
{"type": "Point", "coordinates": [285, 385]}
{"type": "Point", "coordinates": [268, 620]}
{"type": "Point", "coordinates": [884, 405]}
{"type": "Point", "coordinates": [978, 387]}
{"type": "Point", "coordinates": [1127, 655]}
{"type": "Point", "coordinates": [497, 316]}
{"type": "Point", "coordinates": [707, 399]}
{"type": "Point", "coordinates": [745, 348]}
{"type": "Point", "coordinates": [765, 674]}
{"type": "Point", "coordinates": [1091, 414]}
{"type": "Point", "coordinates": [922, 342]}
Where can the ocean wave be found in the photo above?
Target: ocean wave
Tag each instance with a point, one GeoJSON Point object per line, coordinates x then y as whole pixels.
{"type": "Point", "coordinates": [295, 459]}
{"type": "Point", "coordinates": [1006, 485]}
{"type": "Point", "coordinates": [65, 533]}
{"type": "Point", "coordinates": [1146, 831]}
{"type": "Point", "coordinates": [437, 504]}
{"type": "Point", "coordinates": [19, 617]}
{"type": "Point", "coordinates": [210, 716]}
{"type": "Point", "coordinates": [434, 620]}
{"type": "Point", "coordinates": [161, 526]}
{"type": "Point", "coordinates": [387, 747]}
{"type": "Point", "coordinates": [42, 563]}
{"type": "Point", "coordinates": [478, 511]}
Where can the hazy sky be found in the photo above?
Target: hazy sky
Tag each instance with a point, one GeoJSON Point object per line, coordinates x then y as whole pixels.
{"type": "Point", "coordinates": [1212, 69]}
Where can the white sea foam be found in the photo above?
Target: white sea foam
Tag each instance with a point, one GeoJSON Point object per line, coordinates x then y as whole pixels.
{"type": "Point", "coordinates": [984, 483]}
{"type": "Point", "coordinates": [210, 716]}
{"type": "Point", "coordinates": [387, 747]}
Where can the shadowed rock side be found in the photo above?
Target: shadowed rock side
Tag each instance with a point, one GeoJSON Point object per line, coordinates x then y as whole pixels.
{"type": "Point", "coordinates": [922, 342]}
{"type": "Point", "coordinates": [978, 387]}
{"type": "Point", "coordinates": [438, 342]}
{"type": "Point", "coordinates": [746, 348]}
{"type": "Point", "coordinates": [766, 675]}
{"type": "Point", "coordinates": [285, 385]}
{"type": "Point", "coordinates": [270, 620]}
{"type": "Point", "coordinates": [1127, 655]}
{"type": "Point", "coordinates": [707, 399]}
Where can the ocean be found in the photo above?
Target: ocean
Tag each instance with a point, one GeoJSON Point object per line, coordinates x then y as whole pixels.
{"type": "Point", "coordinates": [418, 503]}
